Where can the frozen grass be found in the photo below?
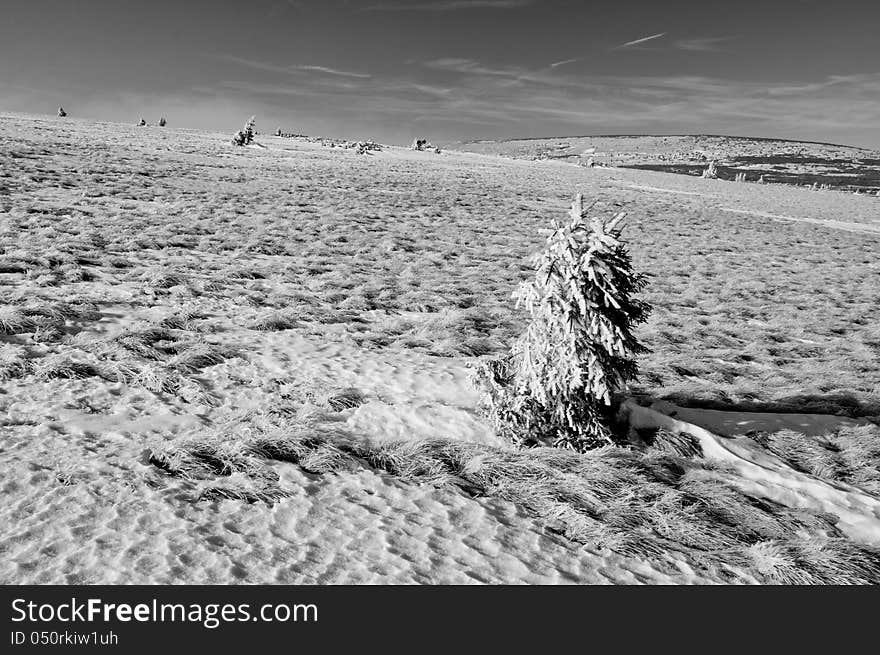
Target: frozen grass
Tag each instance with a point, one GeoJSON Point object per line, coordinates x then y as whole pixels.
{"type": "Point", "coordinates": [60, 366]}
{"type": "Point", "coordinates": [637, 504]}
{"type": "Point", "coordinates": [274, 322]}
{"type": "Point", "coordinates": [14, 321]}
{"type": "Point", "coordinates": [167, 380]}
{"type": "Point", "coordinates": [850, 454]}
{"type": "Point", "coordinates": [14, 362]}
{"type": "Point", "coordinates": [668, 442]}
{"type": "Point", "coordinates": [306, 394]}
{"type": "Point", "coordinates": [184, 320]}
{"type": "Point", "coordinates": [424, 255]}
{"type": "Point", "coordinates": [191, 358]}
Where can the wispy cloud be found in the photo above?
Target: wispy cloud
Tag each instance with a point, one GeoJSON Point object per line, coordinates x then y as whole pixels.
{"type": "Point", "coordinates": [644, 39]}
{"type": "Point", "coordinates": [292, 68]}
{"type": "Point", "coordinates": [705, 44]}
{"type": "Point", "coordinates": [510, 76]}
{"type": "Point", "coordinates": [868, 83]}
{"type": "Point", "coordinates": [556, 64]}
{"type": "Point", "coordinates": [330, 71]}
{"type": "Point", "coordinates": [459, 65]}
{"type": "Point", "coordinates": [449, 5]}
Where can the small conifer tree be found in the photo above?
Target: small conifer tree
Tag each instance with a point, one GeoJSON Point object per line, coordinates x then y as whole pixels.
{"type": "Point", "coordinates": [162, 122]}
{"type": "Point", "coordinates": [142, 123]}
{"type": "Point", "coordinates": [711, 173]}
{"type": "Point", "coordinates": [557, 383]}
{"type": "Point", "coordinates": [61, 112]}
{"type": "Point", "coordinates": [245, 136]}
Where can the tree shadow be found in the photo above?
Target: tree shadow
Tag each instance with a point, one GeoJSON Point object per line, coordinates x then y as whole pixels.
{"type": "Point", "coordinates": [839, 404]}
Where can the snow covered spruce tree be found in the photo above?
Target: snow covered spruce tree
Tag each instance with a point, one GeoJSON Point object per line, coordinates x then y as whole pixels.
{"type": "Point", "coordinates": [245, 136]}
{"type": "Point", "coordinates": [556, 385]}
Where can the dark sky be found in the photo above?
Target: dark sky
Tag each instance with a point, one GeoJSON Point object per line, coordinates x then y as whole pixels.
{"type": "Point", "coordinates": [449, 69]}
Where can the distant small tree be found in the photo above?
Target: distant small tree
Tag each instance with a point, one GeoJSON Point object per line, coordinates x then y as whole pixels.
{"type": "Point", "coordinates": [278, 132]}
{"type": "Point", "coordinates": [162, 122]}
{"type": "Point", "coordinates": [740, 177]}
{"type": "Point", "coordinates": [711, 173]}
{"type": "Point", "coordinates": [579, 348]}
{"type": "Point", "coordinates": [364, 147]}
{"type": "Point", "coordinates": [245, 136]}
{"type": "Point", "coordinates": [61, 112]}
{"type": "Point", "coordinates": [142, 122]}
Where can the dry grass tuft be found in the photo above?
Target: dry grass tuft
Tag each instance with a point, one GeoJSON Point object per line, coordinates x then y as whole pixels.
{"type": "Point", "coordinates": [195, 357]}
{"type": "Point", "coordinates": [274, 322]}
{"type": "Point", "coordinates": [146, 343]}
{"type": "Point", "coordinates": [63, 367]}
{"type": "Point", "coordinates": [14, 362]}
{"type": "Point", "coordinates": [183, 320]}
{"type": "Point", "coordinates": [163, 280]}
{"type": "Point", "coordinates": [342, 399]}
{"type": "Point", "coordinates": [158, 378]}
{"type": "Point", "coordinates": [682, 444]}
{"type": "Point", "coordinates": [312, 452]}
{"type": "Point", "coordinates": [14, 320]}
{"type": "Point", "coordinates": [850, 454]}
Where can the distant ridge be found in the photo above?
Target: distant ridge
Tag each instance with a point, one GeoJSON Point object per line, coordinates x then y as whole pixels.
{"type": "Point", "coordinates": [737, 158]}
{"type": "Point", "coordinates": [634, 136]}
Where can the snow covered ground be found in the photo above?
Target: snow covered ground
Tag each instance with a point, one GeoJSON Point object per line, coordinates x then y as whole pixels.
{"type": "Point", "coordinates": [158, 286]}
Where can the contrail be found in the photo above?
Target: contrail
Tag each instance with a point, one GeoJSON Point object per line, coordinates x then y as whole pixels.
{"type": "Point", "coordinates": [642, 40]}
{"type": "Point", "coordinates": [563, 62]}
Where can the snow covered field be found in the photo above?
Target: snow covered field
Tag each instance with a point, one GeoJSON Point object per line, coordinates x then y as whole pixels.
{"type": "Point", "coordinates": [250, 365]}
